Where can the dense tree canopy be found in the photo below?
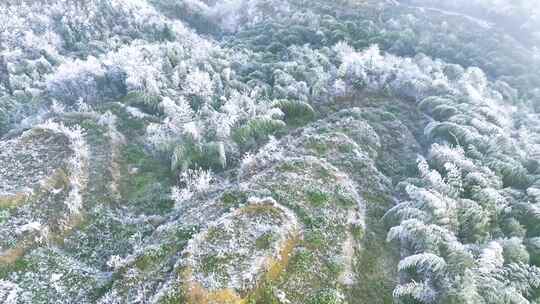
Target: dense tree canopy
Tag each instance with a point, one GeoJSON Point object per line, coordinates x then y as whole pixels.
{"type": "Point", "coordinates": [269, 151]}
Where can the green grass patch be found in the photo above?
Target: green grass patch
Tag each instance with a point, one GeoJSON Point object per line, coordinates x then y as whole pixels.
{"type": "Point", "coordinates": [326, 296]}
{"type": "Point", "coordinates": [314, 238]}
{"type": "Point", "coordinates": [264, 241]}
{"type": "Point", "coordinates": [20, 265]}
{"type": "Point", "coordinates": [128, 125]}
{"type": "Point", "coordinates": [301, 261]}
{"type": "Point", "coordinates": [214, 233]}
{"type": "Point", "coordinates": [264, 295]}
{"type": "Point", "coordinates": [151, 258]}
{"type": "Point", "coordinates": [317, 145]}
{"type": "Point", "coordinates": [232, 199]}
{"type": "Point", "coordinates": [317, 198]}
{"type": "Point", "coordinates": [148, 187]}
{"type": "Point", "coordinates": [214, 264]}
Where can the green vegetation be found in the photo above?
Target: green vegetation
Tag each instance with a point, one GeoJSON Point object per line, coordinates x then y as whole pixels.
{"type": "Point", "coordinates": [191, 155]}
{"type": "Point", "coordinates": [297, 113]}
{"type": "Point", "coordinates": [274, 152]}
{"type": "Point", "coordinates": [256, 132]}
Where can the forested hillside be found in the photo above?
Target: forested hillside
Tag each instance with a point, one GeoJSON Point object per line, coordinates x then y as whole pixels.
{"type": "Point", "coordinates": [269, 151]}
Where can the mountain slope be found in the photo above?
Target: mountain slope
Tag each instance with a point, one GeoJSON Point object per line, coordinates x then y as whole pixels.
{"type": "Point", "coordinates": [281, 151]}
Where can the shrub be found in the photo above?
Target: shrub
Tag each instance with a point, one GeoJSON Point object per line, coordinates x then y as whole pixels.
{"type": "Point", "coordinates": [256, 132]}
{"type": "Point", "coordinates": [296, 112]}
{"type": "Point", "coordinates": [191, 155]}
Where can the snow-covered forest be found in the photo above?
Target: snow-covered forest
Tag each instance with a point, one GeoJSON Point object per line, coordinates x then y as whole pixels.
{"type": "Point", "coordinates": [270, 151]}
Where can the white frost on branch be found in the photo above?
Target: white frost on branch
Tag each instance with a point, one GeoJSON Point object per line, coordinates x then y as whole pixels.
{"type": "Point", "coordinates": [78, 163]}
{"type": "Point", "coordinates": [9, 292]}
{"type": "Point", "coordinates": [195, 181]}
